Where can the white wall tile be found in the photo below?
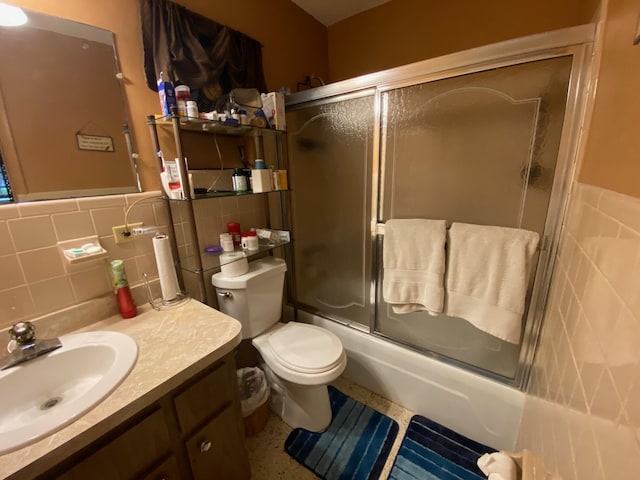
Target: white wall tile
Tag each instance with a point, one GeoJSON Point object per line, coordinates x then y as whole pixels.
{"type": "Point", "coordinates": [33, 209]}
{"type": "Point", "coordinates": [41, 264]}
{"type": "Point", "coordinates": [15, 304]}
{"type": "Point", "coordinates": [12, 275]}
{"type": "Point", "coordinates": [73, 225]}
{"type": "Point", "coordinates": [37, 280]}
{"type": "Point", "coordinates": [29, 233]}
{"type": "Point", "coordinates": [6, 242]}
{"type": "Point", "coordinates": [586, 418]}
{"type": "Point", "coordinates": [52, 294]}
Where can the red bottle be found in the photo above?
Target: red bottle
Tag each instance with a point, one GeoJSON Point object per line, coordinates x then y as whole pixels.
{"type": "Point", "coordinates": [234, 229]}
{"type": "Point", "coordinates": [123, 293]}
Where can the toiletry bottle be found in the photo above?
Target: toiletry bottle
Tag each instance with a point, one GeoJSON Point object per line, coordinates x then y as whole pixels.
{"type": "Point", "coordinates": [192, 109]}
{"type": "Point", "coordinates": [244, 118]}
{"type": "Point", "coordinates": [247, 173]}
{"type": "Point", "coordinates": [226, 242]}
{"type": "Point", "coordinates": [167, 95]}
{"type": "Point", "coordinates": [234, 229]}
{"type": "Point", "coordinates": [123, 293]}
{"type": "Point", "coordinates": [239, 180]}
{"type": "Point", "coordinates": [171, 180]}
{"type": "Point", "coordinates": [183, 95]}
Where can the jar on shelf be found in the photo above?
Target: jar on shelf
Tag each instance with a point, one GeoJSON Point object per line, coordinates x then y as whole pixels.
{"type": "Point", "coordinates": [250, 241]}
{"type": "Point", "coordinates": [239, 180]}
{"type": "Point", "coordinates": [183, 95]}
{"type": "Point", "coordinates": [192, 109]}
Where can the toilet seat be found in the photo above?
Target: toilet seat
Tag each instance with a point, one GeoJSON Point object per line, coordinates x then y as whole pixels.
{"type": "Point", "coordinates": [301, 353]}
{"type": "Point", "coordinates": [306, 348]}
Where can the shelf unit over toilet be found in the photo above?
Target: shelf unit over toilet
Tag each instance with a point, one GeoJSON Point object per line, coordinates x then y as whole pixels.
{"type": "Point", "coordinates": [195, 266]}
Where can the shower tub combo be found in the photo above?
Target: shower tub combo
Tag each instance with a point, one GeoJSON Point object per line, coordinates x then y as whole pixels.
{"type": "Point", "coordinates": [487, 136]}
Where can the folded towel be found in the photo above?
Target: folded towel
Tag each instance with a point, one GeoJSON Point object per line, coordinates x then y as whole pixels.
{"type": "Point", "coordinates": [414, 261]}
{"type": "Point", "coordinates": [487, 277]}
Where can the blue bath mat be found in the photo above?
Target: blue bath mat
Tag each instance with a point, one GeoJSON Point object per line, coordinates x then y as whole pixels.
{"type": "Point", "coordinates": [430, 451]}
{"type": "Point", "coordinates": [354, 447]}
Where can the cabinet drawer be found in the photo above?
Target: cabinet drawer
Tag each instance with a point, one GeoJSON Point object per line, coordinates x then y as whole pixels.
{"type": "Point", "coordinates": [205, 397]}
{"type": "Point", "coordinates": [128, 455]}
{"type": "Point", "coordinates": [167, 470]}
{"type": "Point", "coordinates": [217, 450]}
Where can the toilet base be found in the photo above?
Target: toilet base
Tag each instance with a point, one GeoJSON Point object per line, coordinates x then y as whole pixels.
{"type": "Point", "coordinates": [299, 406]}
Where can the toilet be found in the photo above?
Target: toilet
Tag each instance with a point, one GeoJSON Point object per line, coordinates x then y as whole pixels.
{"type": "Point", "coordinates": [300, 359]}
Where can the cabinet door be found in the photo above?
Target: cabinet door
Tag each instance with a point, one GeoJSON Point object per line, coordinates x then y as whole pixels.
{"type": "Point", "coordinates": [202, 399]}
{"type": "Point", "coordinates": [217, 451]}
{"type": "Point", "coordinates": [167, 470]}
{"type": "Point", "coordinates": [128, 455]}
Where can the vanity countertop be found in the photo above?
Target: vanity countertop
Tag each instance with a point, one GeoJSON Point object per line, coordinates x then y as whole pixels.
{"type": "Point", "coordinates": [173, 345]}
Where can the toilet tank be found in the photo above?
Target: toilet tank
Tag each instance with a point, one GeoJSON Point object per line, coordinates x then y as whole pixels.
{"type": "Point", "coordinates": [255, 298]}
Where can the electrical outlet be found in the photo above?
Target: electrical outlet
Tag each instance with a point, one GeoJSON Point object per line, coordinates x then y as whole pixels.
{"type": "Point", "coordinates": [123, 234]}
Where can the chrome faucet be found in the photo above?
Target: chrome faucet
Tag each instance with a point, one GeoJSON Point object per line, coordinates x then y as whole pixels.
{"type": "Point", "coordinates": [27, 346]}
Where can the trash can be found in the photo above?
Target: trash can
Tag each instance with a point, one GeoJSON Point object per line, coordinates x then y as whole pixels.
{"type": "Point", "coordinates": [254, 399]}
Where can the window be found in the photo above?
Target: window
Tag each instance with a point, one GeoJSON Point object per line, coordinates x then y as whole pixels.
{"type": "Point", "coordinates": [5, 188]}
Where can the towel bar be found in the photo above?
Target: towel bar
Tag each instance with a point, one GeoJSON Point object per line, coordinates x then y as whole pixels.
{"type": "Point", "coordinates": [543, 245]}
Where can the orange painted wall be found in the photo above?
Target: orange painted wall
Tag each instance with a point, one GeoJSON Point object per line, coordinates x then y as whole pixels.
{"type": "Point", "coordinates": [397, 33]}
{"type": "Point", "coordinates": [294, 45]}
{"type": "Point", "coordinates": [407, 31]}
{"type": "Point", "coordinates": [612, 156]}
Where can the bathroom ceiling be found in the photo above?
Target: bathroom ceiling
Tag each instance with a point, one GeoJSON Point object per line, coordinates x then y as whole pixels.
{"type": "Point", "coordinates": [329, 12]}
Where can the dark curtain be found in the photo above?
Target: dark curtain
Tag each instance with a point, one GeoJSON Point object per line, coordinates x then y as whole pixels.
{"type": "Point", "coordinates": [193, 50]}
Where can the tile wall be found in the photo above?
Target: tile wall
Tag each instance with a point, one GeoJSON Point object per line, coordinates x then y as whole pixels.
{"type": "Point", "coordinates": [37, 280]}
{"type": "Point", "coordinates": [212, 216]}
{"type": "Point", "coordinates": [583, 405]}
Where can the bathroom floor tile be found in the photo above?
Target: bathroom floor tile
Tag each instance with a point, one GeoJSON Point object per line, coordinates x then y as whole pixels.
{"type": "Point", "coordinates": [266, 449]}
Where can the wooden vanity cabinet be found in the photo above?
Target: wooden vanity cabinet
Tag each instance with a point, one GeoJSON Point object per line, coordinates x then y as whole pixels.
{"type": "Point", "coordinates": [167, 470]}
{"type": "Point", "coordinates": [213, 448]}
{"type": "Point", "coordinates": [210, 419]}
{"type": "Point", "coordinates": [128, 454]}
{"type": "Point", "coordinates": [194, 432]}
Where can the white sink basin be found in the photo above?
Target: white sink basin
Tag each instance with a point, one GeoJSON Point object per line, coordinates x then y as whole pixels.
{"type": "Point", "coordinates": [47, 393]}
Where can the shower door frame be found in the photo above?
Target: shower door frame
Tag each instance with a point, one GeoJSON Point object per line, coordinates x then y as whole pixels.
{"type": "Point", "coordinates": [576, 42]}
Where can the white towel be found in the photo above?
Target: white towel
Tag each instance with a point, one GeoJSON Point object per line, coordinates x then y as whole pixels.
{"type": "Point", "coordinates": [487, 277]}
{"type": "Point", "coordinates": [414, 262]}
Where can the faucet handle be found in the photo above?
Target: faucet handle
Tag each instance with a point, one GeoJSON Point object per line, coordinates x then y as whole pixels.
{"type": "Point", "coordinates": [23, 333]}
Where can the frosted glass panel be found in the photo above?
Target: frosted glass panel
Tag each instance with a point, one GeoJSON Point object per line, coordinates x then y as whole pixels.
{"type": "Point", "coordinates": [478, 148]}
{"type": "Point", "coordinates": [329, 148]}
{"type": "Point", "coordinates": [461, 148]}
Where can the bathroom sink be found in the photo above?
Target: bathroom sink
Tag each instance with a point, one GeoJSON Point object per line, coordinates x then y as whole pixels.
{"type": "Point", "coordinates": [43, 395]}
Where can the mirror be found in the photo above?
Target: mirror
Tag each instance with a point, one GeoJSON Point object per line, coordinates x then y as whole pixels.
{"type": "Point", "coordinates": [63, 117]}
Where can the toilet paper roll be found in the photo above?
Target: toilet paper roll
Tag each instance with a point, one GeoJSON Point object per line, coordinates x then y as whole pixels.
{"type": "Point", "coordinates": [234, 264]}
{"type": "Point", "coordinates": [166, 268]}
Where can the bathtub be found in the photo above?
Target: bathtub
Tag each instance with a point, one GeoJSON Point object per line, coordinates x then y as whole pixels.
{"type": "Point", "coordinates": [479, 408]}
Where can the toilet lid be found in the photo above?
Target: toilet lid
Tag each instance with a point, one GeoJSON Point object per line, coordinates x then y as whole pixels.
{"type": "Point", "coordinates": [306, 348]}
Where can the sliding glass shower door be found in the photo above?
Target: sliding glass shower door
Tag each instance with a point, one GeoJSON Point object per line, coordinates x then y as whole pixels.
{"type": "Point", "coordinates": [475, 145]}
{"type": "Point", "coordinates": [330, 158]}
{"type": "Point", "coordinates": [478, 148]}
